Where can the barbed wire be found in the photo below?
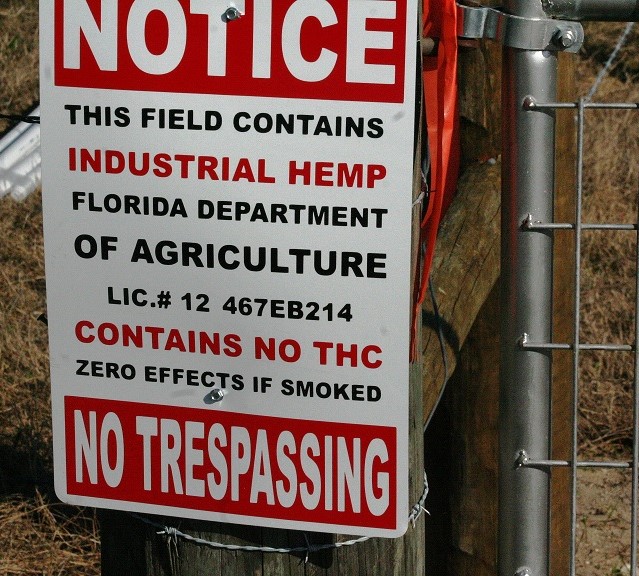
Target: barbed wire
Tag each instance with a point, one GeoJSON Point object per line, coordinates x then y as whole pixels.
{"type": "Point", "coordinates": [613, 55]}
{"type": "Point", "coordinates": [172, 534]}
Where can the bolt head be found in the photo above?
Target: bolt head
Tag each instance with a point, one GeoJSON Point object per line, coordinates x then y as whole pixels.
{"type": "Point", "coordinates": [565, 38]}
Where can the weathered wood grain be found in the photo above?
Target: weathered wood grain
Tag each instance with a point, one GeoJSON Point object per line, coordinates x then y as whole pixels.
{"type": "Point", "coordinates": [563, 306]}
{"type": "Point", "coordinates": [465, 268]}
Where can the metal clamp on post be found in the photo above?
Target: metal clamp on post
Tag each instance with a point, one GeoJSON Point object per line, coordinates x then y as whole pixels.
{"type": "Point", "coordinates": [475, 22]}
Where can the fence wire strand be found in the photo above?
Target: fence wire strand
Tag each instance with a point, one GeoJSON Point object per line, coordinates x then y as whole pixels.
{"type": "Point", "coordinates": [613, 55]}
{"type": "Point", "coordinates": [172, 534]}
{"type": "Point", "coordinates": [576, 346]}
{"type": "Point", "coordinates": [28, 119]}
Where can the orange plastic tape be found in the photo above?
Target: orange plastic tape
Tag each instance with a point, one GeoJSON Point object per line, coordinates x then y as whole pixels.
{"type": "Point", "coordinates": [442, 120]}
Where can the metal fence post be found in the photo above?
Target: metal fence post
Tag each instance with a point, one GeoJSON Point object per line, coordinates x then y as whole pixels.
{"type": "Point", "coordinates": [526, 300]}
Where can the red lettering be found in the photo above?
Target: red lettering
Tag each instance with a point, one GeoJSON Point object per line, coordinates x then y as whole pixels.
{"type": "Point", "coordinates": [81, 334]}
{"type": "Point", "coordinates": [348, 354]}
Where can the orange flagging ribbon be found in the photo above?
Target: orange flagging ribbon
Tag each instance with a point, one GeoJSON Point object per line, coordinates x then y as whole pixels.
{"type": "Point", "coordinates": [442, 121]}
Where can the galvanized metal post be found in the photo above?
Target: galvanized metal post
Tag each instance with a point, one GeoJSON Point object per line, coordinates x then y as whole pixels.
{"type": "Point", "coordinates": [604, 10]}
{"type": "Point", "coordinates": [526, 300]}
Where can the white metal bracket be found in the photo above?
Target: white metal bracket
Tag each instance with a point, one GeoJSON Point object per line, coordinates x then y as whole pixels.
{"type": "Point", "coordinates": [476, 22]}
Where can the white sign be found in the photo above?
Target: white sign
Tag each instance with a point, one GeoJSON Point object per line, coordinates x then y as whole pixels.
{"type": "Point", "coordinates": [227, 205]}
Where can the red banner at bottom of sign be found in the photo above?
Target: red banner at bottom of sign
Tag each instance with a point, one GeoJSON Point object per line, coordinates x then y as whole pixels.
{"type": "Point", "coordinates": [232, 464]}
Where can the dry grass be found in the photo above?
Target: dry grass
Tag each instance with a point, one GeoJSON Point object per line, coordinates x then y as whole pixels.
{"type": "Point", "coordinates": [24, 402]}
{"type": "Point", "coordinates": [43, 538]}
{"type": "Point", "coordinates": [602, 37]}
{"type": "Point", "coordinates": [40, 536]}
{"type": "Point", "coordinates": [37, 534]}
{"type": "Point", "coordinates": [611, 183]}
{"type": "Point", "coordinates": [18, 55]}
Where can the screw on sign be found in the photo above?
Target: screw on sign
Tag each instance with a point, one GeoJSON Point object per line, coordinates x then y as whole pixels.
{"type": "Point", "coordinates": [231, 13]}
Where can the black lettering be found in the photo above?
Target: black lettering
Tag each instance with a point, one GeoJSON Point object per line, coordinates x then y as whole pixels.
{"type": "Point", "coordinates": [375, 128]}
{"type": "Point", "coordinates": [304, 388]}
{"type": "Point", "coordinates": [122, 117]}
{"type": "Point", "coordinates": [287, 388]}
{"type": "Point", "coordinates": [142, 252]}
{"type": "Point", "coordinates": [81, 368]}
{"type": "Point", "coordinates": [238, 125]}
{"type": "Point", "coordinates": [340, 391]}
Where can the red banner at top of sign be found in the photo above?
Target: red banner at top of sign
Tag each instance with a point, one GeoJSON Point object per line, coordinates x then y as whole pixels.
{"type": "Point", "coordinates": [310, 49]}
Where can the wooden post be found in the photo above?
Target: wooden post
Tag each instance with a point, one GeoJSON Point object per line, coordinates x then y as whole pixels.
{"type": "Point", "coordinates": [565, 162]}
{"type": "Point", "coordinates": [131, 546]}
{"type": "Point", "coordinates": [460, 443]}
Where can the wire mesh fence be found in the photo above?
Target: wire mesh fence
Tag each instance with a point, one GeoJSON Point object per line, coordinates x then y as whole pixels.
{"type": "Point", "coordinates": [599, 335]}
{"type": "Point", "coordinates": [580, 346]}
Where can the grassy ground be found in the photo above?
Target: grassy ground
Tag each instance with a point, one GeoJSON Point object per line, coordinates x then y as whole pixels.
{"type": "Point", "coordinates": [611, 180]}
{"type": "Point", "coordinates": [40, 536]}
